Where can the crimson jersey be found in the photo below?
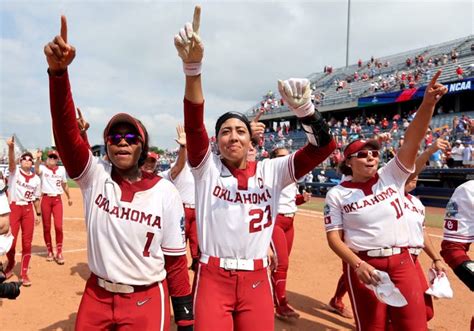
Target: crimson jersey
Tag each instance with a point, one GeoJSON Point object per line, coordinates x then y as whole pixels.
{"type": "Point", "coordinates": [23, 187]}
{"type": "Point", "coordinates": [130, 228]}
{"type": "Point", "coordinates": [371, 214]}
{"type": "Point", "coordinates": [235, 211]}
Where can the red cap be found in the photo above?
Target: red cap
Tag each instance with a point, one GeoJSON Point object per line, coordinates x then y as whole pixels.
{"type": "Point", "coordinates": [53, 152]}
{"type": "Point", "coordinates": [153, 155]}
{"type": "Point", "coordinates": [124, 118]}
{"type": "Point", "coordinates": [359, 144]}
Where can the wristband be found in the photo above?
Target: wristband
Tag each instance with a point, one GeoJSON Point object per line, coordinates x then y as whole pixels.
{"type": "Point", "coordinates": [436, 260]}
{"type": "Point", "coordinates": [192, 69]}
{"type": "Point", "coordinates": [38, 214]}
{"type": "Point", "coordinates": [304, 110]}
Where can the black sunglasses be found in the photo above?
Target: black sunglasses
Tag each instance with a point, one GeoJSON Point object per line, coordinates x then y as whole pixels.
{"type": "Point", "coordinates": [130, 138]}
{"type": "Point", "coordinates": [52, 157]}
{"type": "Point", "coordinates": [365, 152]}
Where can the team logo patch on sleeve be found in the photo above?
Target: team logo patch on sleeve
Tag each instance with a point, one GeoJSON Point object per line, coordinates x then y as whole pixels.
{"type": "Point", "coordinates": [327, 218]}
{"type": "Point", "coordinates": [451, 209]}
{"type": "Point", "coordinates": [181, 224]}
{"type": "Point", "coordinates": [451, 225]}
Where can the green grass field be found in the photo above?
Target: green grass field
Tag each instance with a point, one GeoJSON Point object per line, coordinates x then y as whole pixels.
{"type": "Point", "coordinates": [71, 183]}
{"type": "Point", "coordinates": [431, 219]}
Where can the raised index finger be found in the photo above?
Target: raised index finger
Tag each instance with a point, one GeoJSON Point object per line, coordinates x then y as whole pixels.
{"type": "Point", "coordinates": [79, 113]}
{"type": "Point", "coordinates": [257, 118]}
{"type": "Point", "coordinates": [64, 28]}
{"type": "Point", "coordinates": [435, 78]}
{"type": "Point", "coordinates": [197, 19]}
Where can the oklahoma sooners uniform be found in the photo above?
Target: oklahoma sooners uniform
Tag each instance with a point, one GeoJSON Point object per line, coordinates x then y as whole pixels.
{"type": "Point", "coordinates": [371, 216]}
{"type": "Point", "coordinates": [23, 190]}
{"type": "Point", "coordinates": [415, 214]}
{"type": "Point", "coordinates": [235, 213]}
{"type": "Point", "coordinates": [184, 183]}
{"type": "Point", "coordinates": [52, 180]}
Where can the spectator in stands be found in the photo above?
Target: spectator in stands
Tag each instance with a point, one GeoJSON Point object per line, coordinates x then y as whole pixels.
{"type": "Point", "coordinates": [445, 59]}
{"type": "Point", "coordinates": [456, 155]}
{"type": "Point", "coordinates": [459, 72]}
{"type": "Point", "coordinates": [408, 62]}
{"type": "Point", "coordinates": [322, 177]}
{"type": "Point", "coordinates": [467, 155]}
{"type": "Point", "coordinates": [359, 63]}
{"type": "Point", "coordinates": [436, 159]}
{"type": "Point", "coordinates": [384, 123]}
{"type": "Point", "coordinates": [309, 177]}
{"type": "Point", "coordinates": [454, 56]}
{"type": "Point", "coordinates": [405, 124]}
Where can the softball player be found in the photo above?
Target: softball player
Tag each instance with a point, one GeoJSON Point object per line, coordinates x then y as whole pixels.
{"type": "Point", "coordinates": [136, 250]}
{"type": "Point", "coordinates": [53, 184]}
{"type": "Point", "coordinates": [180, 175]}
{"type": "Point", "coordinates": [282, 241]}
{"type": "Point", "coordinates": [367, 227]}
{"type": "Point", "coordinates": [23, 193]}
{"type": "Point", "coordinates": [459, 234]}
{"type": "Point", "coordinates": [237, 200]}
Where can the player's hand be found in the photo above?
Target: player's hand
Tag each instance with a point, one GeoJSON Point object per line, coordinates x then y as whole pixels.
{"type": "Point", "coordinates": [306, 196]}
{"type": "Point", "coordinates": [81, 122]}
{"type": "Point", "coordinates": [366, 274]}
{"type": "Point", "coordinates": [440, 144]}
{"type": "Point", "coordinates": [69, 202]}
{"type": "Point", "coordinates": [257, 128]}
{"type": "Point", "coordinates": [11, 141]}
{"type": "Point", "coordinates": [181, 140]}
{"type": "Point", "coordinates": [297, 95]}
{"type": "Point", "coordinates": [384, 137]}
{"type": "Point", "coordinates": [440, 267]}
{"type": "Point", "coordinates": [59, 54]}
{"type": "Point", "coordinates": [188, 43]}
{"type": "Point", "coordinates": [434, 91]}
{"type": "Point", "coordinates": [38, 154]}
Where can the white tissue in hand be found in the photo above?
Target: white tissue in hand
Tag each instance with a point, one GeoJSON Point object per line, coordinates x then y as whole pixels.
{"type": "Point", "coordinates": [439, 285]}
{"type": "Point", "coordinates": [386, 291]}
{"type": "Point", "coordinates": [6, 241]}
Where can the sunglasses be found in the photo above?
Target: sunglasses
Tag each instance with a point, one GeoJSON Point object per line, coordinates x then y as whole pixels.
{"type": "Point", "coordinates": [130, 138]}
{"type": "Point", "coordinates": [26, 158]}
{"type": "Point", "coordinates": [52, 157]}
{"type": "Point", "coordinates": [364, 153]}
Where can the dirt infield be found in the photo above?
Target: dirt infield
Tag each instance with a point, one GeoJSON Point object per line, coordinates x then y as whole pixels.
{"type": "Point", "coordinates": [51, 302]}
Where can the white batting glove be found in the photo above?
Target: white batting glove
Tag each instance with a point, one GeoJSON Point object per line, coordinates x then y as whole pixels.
{"type": "Point", "coordinates": [189, 45]}
{"type": "Point", "coordinates": [297, 94]}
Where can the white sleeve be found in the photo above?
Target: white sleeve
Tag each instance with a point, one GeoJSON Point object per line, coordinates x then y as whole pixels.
{"type": "Point", "coordinates": [64, 176]}
{"type": "Point", "coordinates": [281, 169]}
{"type": "Point", "coordinates": [395, 172]}
{"type": "Point", "coordinates": [174, 241]}
{"type": "Point", "coordinates": [4, 206]}
{"type": "Point", "coordinates": [88, 176]}
{"type": "Point", "coordinates": [38, 187]}
{"type": "Point", "coordinates": [165, 174]}
{"type": "Point", "coordinates": [459, 219]}
{"type": "Point", "coordinates": [333, 211]}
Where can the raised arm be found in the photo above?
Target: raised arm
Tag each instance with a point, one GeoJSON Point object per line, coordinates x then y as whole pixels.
{"type": "Point", "coordinates": [11, 154]}
{"type": "Point", "coordinates": [439, 144]}
{"type": "Point", "coordinates": [38, 156]}
{"type": "Point", "coordinates": [191, 50]}
{"type": "Point", "coordinates": [72, 149]}
{"type": "Point", "coordinates": [297, 95]}
{"type": "Point", "coordinates": [417, 128]}
{"type": "Point", "coordinates": [181, 159]}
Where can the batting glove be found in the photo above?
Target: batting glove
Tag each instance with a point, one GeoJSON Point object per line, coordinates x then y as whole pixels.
{"type": "Point", "coordinates": [297, 94]}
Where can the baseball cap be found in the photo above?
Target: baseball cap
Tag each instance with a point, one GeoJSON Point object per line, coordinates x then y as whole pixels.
{"type": "Point", "coordinates": [125, 118]}
{"type": "Point", "coordinates": [358, 145]}
{"type": "Point", "coordinates": [153, 155]}
{"type": "Point", "coordinates": [458, 141]}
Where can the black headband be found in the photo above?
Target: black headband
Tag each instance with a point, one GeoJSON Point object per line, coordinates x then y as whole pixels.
{"type": "Point", "coordinates": [232, 114]}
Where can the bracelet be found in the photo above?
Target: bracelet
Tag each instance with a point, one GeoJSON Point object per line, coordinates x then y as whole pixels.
{"type": "Point", "coordinates": [38, 214]}
{"type": "Point", "coordinates": [436, 260]}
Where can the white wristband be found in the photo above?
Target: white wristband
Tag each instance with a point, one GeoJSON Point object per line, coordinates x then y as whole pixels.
{"type": "Point", "coordinates": [304, 110]}
{"type": "Point", "coordinates": [192, 69]}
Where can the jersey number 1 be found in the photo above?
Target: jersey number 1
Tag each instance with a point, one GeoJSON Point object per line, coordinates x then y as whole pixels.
{"type": "Point", "coordinates": [149, 238]}
{"type": "Point", "coordinates": [255, 223]}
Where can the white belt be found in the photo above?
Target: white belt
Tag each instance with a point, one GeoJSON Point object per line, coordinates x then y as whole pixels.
{"type": "Point", "coordinates": [188, 205]}
{"type": "Point", "coordinates": [52, 194]}
{"type": "Point", "coordinates": [21, 203]}
{"type": "Point", "coordinates": [383, 252]}
{"type": "Point", "coordinates": [114, 287]}
{"type": "Point", "coordinates": [234, 263]}
{"type": "Point", "coordinates": [415, 250]}
{"type": "Point", "coordinates": [288, 215]}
